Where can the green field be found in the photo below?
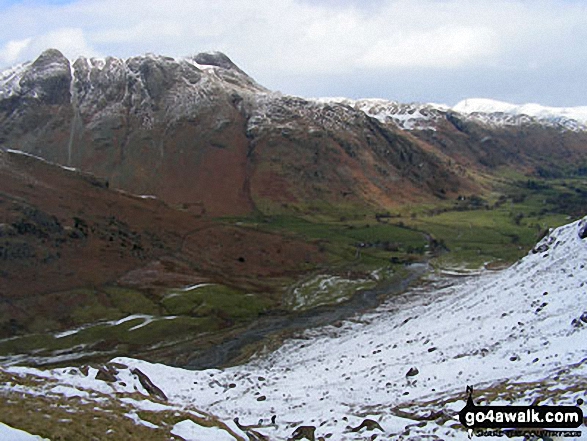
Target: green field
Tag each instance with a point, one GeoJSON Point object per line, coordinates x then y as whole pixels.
{"type": "Point", "coordinates": [363, 249]}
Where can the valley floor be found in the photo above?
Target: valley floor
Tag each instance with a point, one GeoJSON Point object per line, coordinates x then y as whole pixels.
{"type": "Point", "coordinates": [517, 336]}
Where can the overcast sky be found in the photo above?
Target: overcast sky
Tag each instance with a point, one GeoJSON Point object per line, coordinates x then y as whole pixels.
{"type": "Point", "coordinates": [406, 50]}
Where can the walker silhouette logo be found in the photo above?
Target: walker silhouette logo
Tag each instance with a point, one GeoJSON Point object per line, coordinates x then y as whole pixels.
{"type": "Point", "coordinates": [537, 417]}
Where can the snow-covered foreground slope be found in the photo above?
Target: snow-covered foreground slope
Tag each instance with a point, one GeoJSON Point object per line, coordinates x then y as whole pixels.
{"type": "Point", "coordinates": [518, 336]}
{"type": "Point", "coordinates": [11, 434]}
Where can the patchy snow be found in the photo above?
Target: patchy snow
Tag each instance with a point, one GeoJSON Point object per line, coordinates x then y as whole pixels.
{"type": "Point", "coordinates": [198, 285]}
{"type": "Point", "coordinates": [502, 113]}
{"type": "Point", "coordinates": [140, 422]}
{"type": "Point", "coordinates": [10, 80]}
{"type": "Point", "coordinates": [69, 392]}
{"type": "Point", "coordinates": [518, 326]}
{"type": "Point", "coordinates": [190, 431]}
{"type": "Point", "coordinates": [146, 320]}
{"type": "Point", "coordinates": [417, 116]}
{"type": "Point", "coordinates": [30, 155]}
{"type": "Point", "coordinates": [412, 116]}
{"type": "Point", "coordinates": [518, 336]}
{"type": "Point", "coordinates": [67, 333]}
{"type": "Point", "coordinates": [482, 105]}
{"type": "Point", "coordinates": [8, 433]}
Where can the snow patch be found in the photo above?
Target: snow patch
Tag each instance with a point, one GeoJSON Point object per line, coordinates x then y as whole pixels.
{"type": "Point", "coordinates": [513, 327]}
{"type": "Point", "coordinates": [11, 434]}
{"type": "Point", "coordinates": [190, 431]}
{"type": "Point", "coordinates": [139, 422]}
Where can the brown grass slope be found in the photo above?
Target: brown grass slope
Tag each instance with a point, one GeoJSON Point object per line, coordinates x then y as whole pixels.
{"type": "Point", "coordinates": [61, 230]}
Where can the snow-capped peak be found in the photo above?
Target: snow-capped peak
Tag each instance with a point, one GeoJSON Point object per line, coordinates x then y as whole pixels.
{"type": "Point", "coordinates": [426, 116]}
{"type": "Point", "coordinates": [478, 106]}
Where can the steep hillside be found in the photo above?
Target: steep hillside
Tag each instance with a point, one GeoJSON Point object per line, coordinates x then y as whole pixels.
{"type": "Point", "coordinates": [487, 135]}
{"type": "Point", "coordinates": [74, 252]}
{"type": "Point", "coordinates": [399, 372]}
{"type": "Point", "coordinates": [199, 133]}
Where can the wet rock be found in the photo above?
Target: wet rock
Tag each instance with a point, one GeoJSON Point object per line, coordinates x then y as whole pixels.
{"type": "Point", "coordinates": [48, 78]}
{"type": "Point", "coordinates": [118, 366]}
{"type": "Point", "coordinates": [438, 415]}
{"type": "Point", "coordinates": [215, 59]}
{"type": "Point", "coordinates": [542, 248]}
{"type": "Point", "coordinates": [583, 229]}
{"type": "Point", "coordinates": [253, 435]}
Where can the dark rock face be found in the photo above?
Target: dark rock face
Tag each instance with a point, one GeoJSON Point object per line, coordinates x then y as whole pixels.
{"type": "Point", "coordinates": [367, 424]}
{"type": "Point", "coordinates": [48, 79]}
{"type": "Point", "coordinates": [149, 386]}
{"type": "Point", "coordinates": [215, 59]}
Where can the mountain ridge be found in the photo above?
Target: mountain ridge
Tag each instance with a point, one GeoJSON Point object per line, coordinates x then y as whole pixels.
{"type": "Point", "coordinates": [130, 121]}
{"type": "Point", "coordinates": [199, 133]}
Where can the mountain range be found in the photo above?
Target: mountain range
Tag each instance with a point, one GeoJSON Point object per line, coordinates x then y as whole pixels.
{"type": "Point", "coordinates": [199, 133]}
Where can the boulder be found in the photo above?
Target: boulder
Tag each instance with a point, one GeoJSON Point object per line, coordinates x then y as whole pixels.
{"type": "Point", "coordinates": [149, 386]}
{"type": "Point", "coordinates": [412, 372]}
{"type": "Point", "coordinates": [303, 432]}
{"type": "Point", "coordinates": [367, 424]}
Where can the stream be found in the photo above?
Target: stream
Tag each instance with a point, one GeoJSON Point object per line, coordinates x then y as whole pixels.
{"type": "Point", "coordinates": [226, 353]}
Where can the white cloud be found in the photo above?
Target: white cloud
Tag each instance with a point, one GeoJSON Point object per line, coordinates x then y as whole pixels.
{"type": "Point", "coordinates": [70, 41]}
{"type": "Point", "coordinates": [444, 47]}
{"type": "Point", "coordinates": [13, 50]}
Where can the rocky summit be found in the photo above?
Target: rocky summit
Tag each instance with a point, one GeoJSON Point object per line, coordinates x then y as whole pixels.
{"type": "Point", "coordinates": [200, 133]}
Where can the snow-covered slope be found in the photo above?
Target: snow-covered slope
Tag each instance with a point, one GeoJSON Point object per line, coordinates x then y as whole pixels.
{"type": "Point", "coordinates": [8, 433]}
{"type": "Point", "coordinates": [416, 116]}
{"type": "Point", "coordinates": [517, 336]}
{"type": "Point", "coordinates": [412, 116]}
{"type": "Point", "coordinates": [501, 113]}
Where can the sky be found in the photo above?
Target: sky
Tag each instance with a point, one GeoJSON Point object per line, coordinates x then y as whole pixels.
{"type": "Point", "coordinates": [441, 51]}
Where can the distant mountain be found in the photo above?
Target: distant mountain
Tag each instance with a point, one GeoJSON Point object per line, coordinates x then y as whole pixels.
{"type": "Point", "coordinates": [488, 112]}
{"type": "Point", "coordinates": [500, 113]}
{"type": "Point", "coordinates": [199, 133]}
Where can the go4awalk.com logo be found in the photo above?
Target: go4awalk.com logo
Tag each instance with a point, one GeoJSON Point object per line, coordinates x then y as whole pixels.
{"type": "Point", "coordinates": [480, 419]}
